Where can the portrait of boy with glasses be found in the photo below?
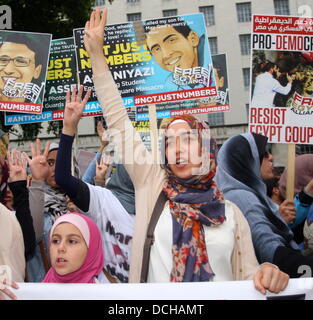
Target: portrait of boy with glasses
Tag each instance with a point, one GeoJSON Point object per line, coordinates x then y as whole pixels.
{"type": "Point", "coordinates": [23, 63]}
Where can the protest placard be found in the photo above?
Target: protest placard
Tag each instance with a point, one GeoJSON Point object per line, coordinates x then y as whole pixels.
{"type": "Point", "coordinates": [213, 104]}
{"type": "Point", "coordinates": [282, 79]}
{"type": "Point", "coordinates": [61, 76]}
{"type": "Point", "coordinates": [23, 65]}
{"type": "Point", "coordinates": [142, 73]}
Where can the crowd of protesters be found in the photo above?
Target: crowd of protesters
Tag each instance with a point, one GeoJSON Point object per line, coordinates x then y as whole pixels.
{"type": "Point", "coordinates": [202, 214]}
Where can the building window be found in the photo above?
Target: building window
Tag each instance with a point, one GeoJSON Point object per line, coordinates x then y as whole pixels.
{"type": "Point", "coordinates": [216, 119]}
{"type": "Point", "coordinates": [169, 13]}
{"type": "Point", "coordinates": [281, 7]}
{"type": "Point", "coordinates": [245, 43]}
{"type": "Point", "coordinates": [134, 16]}
{"type": "Point", "coordinates": [244, 11]}
{"type": "Point", "coordinates": [246, 77]}
{"type": "Point", "coordinates": [306, 148]}
{"type": "Point", "coordinates": [247, 110]}
{"type": "Point", "coordinates": [213, 45]}
{"type": "Point", "coordinates": [208, 14]}
{"type": "Point", "coordinates": [99, 3]}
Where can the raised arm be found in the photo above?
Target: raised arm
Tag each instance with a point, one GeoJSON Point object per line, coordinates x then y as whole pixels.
{"type": "Point", "coordinates": [40, 170]}
{"type": "Point", "coordinates": [77, 190]}
{"type": "Point", "coordinates": [132, 152]}
{"type": "Point", "coordinates": [18, 185]}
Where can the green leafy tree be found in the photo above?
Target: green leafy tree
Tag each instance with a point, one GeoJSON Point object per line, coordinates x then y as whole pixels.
{"type": "Point", "coordinates": [58, 17]}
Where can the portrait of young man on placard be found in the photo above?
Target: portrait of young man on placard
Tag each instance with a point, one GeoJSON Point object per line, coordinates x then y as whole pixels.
{"type": "Point", "coordinates": [23, 64]}
{"type": "Point", "coordinates": [180, 50]}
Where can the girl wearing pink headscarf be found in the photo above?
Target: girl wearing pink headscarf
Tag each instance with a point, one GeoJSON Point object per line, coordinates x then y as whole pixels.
{"type": "Point", "coordinates": [76, 252]}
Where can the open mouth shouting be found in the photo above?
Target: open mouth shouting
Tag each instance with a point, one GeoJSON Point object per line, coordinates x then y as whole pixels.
{"type": "Point", "coordinates": [181, 163]}
{"type": "Point", "coordinates": [60, 262]}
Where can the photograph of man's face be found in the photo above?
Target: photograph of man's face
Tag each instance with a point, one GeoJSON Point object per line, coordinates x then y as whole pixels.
{"type": "Point", "coordinates": [171, 49]}
{"type": "Point", "coordinates": [18, 63]}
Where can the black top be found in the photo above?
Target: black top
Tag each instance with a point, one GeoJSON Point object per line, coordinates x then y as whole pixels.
{"type": "Point", "coordinates": [23, 215]}
{"type": "Point", "coordinates": [76, 189]}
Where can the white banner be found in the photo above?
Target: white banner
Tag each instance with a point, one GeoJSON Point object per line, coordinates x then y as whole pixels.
{"type": "Point", "coordinates": [232, 290]}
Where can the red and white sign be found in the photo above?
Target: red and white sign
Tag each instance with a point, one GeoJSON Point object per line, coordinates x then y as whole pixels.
{"type": "Point", "coordinates": [282, 78]}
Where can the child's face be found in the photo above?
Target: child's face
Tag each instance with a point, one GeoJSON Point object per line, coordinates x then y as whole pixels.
{"type": "Point", "coordinates": [68, 249]}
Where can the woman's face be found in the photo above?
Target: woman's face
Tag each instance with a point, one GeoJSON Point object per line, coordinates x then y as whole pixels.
{"type": "Point", "coordinates": [183, 150]}
{"type": "Point", "coordinates": [51, 159]}
{"type": "Point", "coordinates": [267, 167]}
{"type": "Point", "coordinates": [68, 249]}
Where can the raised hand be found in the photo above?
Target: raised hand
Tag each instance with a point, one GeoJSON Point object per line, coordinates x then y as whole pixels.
{"type": "Point", "coordinates": [74, 109]}
{"type": "Point", "coordinates": [94, 32]}
{"type": "Point", "coordinates": [102, 167]}
{"type": "Point", "coordinates": [17, 166]}
{"type": "Point", "coordinates": [38, 163]}
{"type": "Point", "coordinates": [100, 130]}
{"type": "Point", "coordinates": [290, 78]}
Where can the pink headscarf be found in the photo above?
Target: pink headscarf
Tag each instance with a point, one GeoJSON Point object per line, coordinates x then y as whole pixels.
{"type": "Point", "coordinates": [93, 263]}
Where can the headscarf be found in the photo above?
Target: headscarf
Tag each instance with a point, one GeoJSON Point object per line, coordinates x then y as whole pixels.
{"type": "Point", "coordinates": [193, 203]}
{"type": "Point", "coordinates": [303, 173]}
{"type": "Point", "coordinates": [239, 168]}
{"type": "Point", "coordinates": [122, 187]}
{"type": "Point", "coordinates": [93, 263]}
{"type": "Point", "coordinates": [240, 158]}
{"type": "Point", "coordinates": [55, 202]}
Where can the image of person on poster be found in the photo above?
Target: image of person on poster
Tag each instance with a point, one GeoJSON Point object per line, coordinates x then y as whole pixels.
{"type": "Point", "coordinates": [180, 50]}
{"type": "Point", "coordinates": [221, 80]}
{"type": "Point", "coordinates": [221, 84]}
{"type": "Point", "coordinates": [22, 67]}
{"type": "Point", "coordinates": [287, 63]}
{"type": "Point", "coordinates": [267, 85]}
